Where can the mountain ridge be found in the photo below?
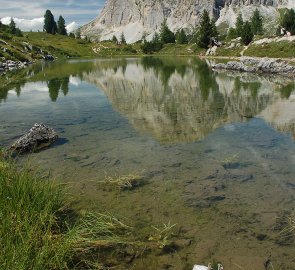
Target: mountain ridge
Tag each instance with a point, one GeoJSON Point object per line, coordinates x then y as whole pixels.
{"type": "Point", "coordinates": [136, 18]}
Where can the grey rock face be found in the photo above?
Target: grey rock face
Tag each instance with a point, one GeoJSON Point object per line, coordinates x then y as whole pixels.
{"type": "Point", "coordinates": [39, 136]}
{"type": "Point", "coordinates": [263, 65]}
{"type": "Point", "coordinates": [137, 17]}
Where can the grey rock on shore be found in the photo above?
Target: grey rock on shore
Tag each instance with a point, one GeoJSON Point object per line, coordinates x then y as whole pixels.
{"type": "Point", "coordinates": [8, 65]}
{"type": "Point", "coordinates": [258, 65]}
{"type": "Point", "coordinates": [38, 137]}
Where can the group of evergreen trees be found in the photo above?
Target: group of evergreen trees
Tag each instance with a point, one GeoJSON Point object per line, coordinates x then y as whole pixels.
{"type": "Point", "coordinates": [121, 41]}
{"type": "Point", "coordinates": [164, 36]}
{"type": "Point", "coordinates": [247, 30]}
{"type": "Point", "coordinates": [11, 28]}
{"type": "Point", "coordinates": [50, 25]}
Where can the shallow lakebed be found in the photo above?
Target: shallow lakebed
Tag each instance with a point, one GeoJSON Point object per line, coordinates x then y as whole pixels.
{"type": "Point", "coordinates": [216, 152]}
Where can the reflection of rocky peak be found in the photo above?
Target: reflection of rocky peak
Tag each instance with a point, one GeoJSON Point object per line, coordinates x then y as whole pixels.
{"type": "Point", "coordinates": [184, 106]}
{"type": "Point", "coordinates": [281, 114]}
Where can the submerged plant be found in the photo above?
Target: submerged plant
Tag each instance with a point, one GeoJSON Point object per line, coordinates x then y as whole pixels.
{"type": "Point", "coordinates": [125, 182]}
{"type": "Point", "coordinates": [162, 234]}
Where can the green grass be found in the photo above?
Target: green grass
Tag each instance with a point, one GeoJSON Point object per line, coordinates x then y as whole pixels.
{"type": "Point", "coordinates": [16, 48]}
{"type": "Point", "coordinates": [281, 49]}
{"type": "Point", "coordinates": [275, 49]}
{"type": "Point", "coordinates": [234, 52]}
{"type": "Point", "coordinates": [58, 45]}
{"type": "Point", "coordinates": [178, 49]}
{"type": "Point", "coordinates": [38, 229]}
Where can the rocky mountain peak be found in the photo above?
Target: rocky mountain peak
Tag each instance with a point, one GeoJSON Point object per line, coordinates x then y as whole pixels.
{"type": "Point", "coordinates": [135, 18]}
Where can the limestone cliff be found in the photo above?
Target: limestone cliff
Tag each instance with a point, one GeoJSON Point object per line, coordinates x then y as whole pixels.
{"type": "Point", "coordinates": [137, 17]}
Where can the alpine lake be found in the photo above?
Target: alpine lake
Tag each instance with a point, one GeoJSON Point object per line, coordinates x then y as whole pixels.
{"type": "Point", "coordinates": [213, 155]}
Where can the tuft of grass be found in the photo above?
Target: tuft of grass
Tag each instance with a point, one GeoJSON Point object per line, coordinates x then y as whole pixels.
{"type": "Point", "coordinates": [39, 230]}
{"type": "Point", "coordinates": [162, 234]}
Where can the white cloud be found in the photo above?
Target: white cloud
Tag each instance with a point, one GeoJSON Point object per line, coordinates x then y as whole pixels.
{"type": "Point", "coordinates": [75, 81]}
{"type": "Point", "coordinates": [72, 26]}
{"type": "Point", "coordinates": [35, 24]}
{"type": "Point", "coordinates": [25, 24]}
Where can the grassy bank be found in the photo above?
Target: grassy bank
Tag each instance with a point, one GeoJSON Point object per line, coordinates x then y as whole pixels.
{"type": "Point", "coordinates": [33, 45]}
{"type": "Point", "coordinates": [283, 49]}
{"type": "Point", "coordinates": [39, 230]}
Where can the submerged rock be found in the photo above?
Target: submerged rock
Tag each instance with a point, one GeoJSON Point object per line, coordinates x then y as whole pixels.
{"type": "Point", "coordinates": [38, 137]}
{"type": "Point", "coordinates": [258, 65]}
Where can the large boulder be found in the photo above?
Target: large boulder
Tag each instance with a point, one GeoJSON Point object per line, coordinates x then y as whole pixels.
{"type": "Point", "coordinates": [38, 137]}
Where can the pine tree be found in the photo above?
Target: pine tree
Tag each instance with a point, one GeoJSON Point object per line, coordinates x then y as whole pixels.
{"type": "Point", "coordinates": [78, 34]}
{"type": "Point", "coordinates": [247, 34]}
{"type": "Point", "coordinates": [205, 31]}
{"type": "Point", "coordinates": [114, 39]}
{"type": "Point", "coordinates": [156, 38]}
{"type": "Point", "coordinates": [232, 33]}
{"type": "Point", "coordinates": [181, 37]}
{"type": "Point", "coordinates": [167, 36]}
{"type": "Point", "coordinates": [61, 27]}
{"type": "Point", "coordinates": [257, 23]}
{"type": "Point", "coordinates": [50, 26]}
{"type": "Point", "coordinates": [143, 38]}
{"type": "Point", "coordinates": [239, 25]}
{"type": "Point", "coordinates": [12, 27]}
{"type": "Point", "coordinates": [288, 21]}
{"type": "Point", "coordinates": [122, 39]}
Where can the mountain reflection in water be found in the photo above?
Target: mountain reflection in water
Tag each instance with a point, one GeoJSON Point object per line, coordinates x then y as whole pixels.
{"type": "Point", "coordinates": [175, 100]}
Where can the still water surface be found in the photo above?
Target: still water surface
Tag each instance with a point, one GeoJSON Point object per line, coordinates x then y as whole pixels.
{"type": "Point", "coordinates": [216, 151]}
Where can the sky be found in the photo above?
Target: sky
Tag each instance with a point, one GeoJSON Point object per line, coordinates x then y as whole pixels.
{"type": "Point", "coordinates": [28, 15]}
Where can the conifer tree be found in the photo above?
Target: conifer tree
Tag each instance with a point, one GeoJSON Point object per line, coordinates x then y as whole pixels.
{"type": "Point", "coordinates": [247, 34]}
{"type": "Point", "coordinates": [232, 33]}
{"type": "Point", "coordinates": [156, 38]}
{"type": "Point", "coordinates": [122, 39]}
{"type": "Point", "coordinates": [50, 26]}
{"type": "Point", "coordinates": [214, 32]}
{"type": "Point", "coordinates": [78, 34]}
{"type": "Point", "coordinates": [288, 21]}
{"type": "Point", "coordinates": [167, 36]}
{"type": "Point", "coordinates": [257, 23]}
{"type": "Point", "coordinates": [61, 27]}
{"type": "Point", "coordinates": [205, 31]}
{"type": "Point", "coordinates": [239, 25]}
{"type": "Point", "coordinates": [12, 27]}
{"type": "Point", "coordinates": [181, 37]}
{"type": "Point", "coordinates": [114, 39]}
